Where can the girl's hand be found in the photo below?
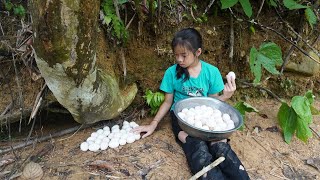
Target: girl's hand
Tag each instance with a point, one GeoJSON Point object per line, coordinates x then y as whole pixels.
{"type": "Point", "coordinates": [148, 129]}
{"type": "Point", "coordinates": [229, 87]}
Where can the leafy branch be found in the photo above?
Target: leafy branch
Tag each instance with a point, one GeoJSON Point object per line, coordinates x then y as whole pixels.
{"type": "Point", "coordinates": [295, 119]}
{"type": "Point", "coordinates": [154, 100]}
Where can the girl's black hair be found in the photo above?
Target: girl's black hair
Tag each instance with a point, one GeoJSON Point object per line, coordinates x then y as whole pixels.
{"type": "Point", "coordinates": [191, 39]}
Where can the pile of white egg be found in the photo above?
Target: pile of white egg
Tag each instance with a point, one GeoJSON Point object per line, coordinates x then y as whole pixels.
{"type": "Point", "coordinates": [207, 118]}
{"type": "Point", "coordinates": [113, 138]}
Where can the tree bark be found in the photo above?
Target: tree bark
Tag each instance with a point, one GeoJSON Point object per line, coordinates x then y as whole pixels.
{"type": "Point", "coordinates": [69, 46]}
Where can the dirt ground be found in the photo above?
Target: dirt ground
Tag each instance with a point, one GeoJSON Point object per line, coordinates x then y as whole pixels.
{"type": "Point", "coordinates": [260, 146]}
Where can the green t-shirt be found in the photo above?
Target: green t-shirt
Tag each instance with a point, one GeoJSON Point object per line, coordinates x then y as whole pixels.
{"type": "Point", "coordinates": [209, 81]}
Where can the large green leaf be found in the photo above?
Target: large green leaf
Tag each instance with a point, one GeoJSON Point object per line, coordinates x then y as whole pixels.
{"type": "Point", "coordinates": [246, 7]}
{"type": "Point", "coordinates": [303, 131]}
{"type": "Point", "coordinates": [228, 3]}
{"type": "Point", "coordinates": [287, 119]}
{"type": "Point", "coordinates": [291, 4]}
{"type": "Point", "coordinates": [255, 66]}
{"type": "Point", "coordinates": [268, 56]}
{"type": "Point", "coordinates": [311, 17]}
{"type": "Point", "coordinates": [244, 107]}
{"type": "Point", "coordinates": [301, 106]}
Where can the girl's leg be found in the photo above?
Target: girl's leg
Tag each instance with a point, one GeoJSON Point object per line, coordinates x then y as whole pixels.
{"type": "Point", "coordinates": [197, 153]}
{"type": "Point", "coordinates": [231, 167]}
{"type": "Point", "coordinates": [198, 157]}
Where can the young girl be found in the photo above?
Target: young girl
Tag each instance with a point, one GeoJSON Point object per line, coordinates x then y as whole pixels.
{"type": "Point", "coordinates": [194, 77]}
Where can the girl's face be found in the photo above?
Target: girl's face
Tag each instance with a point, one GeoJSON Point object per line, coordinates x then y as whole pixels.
{"type": "Point", "coordinates": [186, 58]}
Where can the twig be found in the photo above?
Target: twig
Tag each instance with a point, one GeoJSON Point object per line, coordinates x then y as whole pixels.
{"type": "Point", "coordinates": [315, 132]}
{"type": "Point", "coordinates": [37, 102]}
{"type": "Point", "coordinates": [262, 88]}
{"type": "Point", "coordinates": [260, 9]}
{"type": "Point", "coordinates": [129, 23]}
{"type": "Point", "coordinates": [286, 59]}
{"type": "Point", "coordinates": [1, 29]}
{"type": "Point", "coordinates": [71, 135]}
{"type": "Point", "coordinates": [21, 101]}
{"type": "Point", "coordinates": [8, 108]}
{"type": "Point", "coordinates": [208, 7]}
{"type": "Point", "coordinates": [231, 39]}
{"type": "Point", "coordinates": [44, 138]}
{"type": "Point", "coordinates": [207, 168]}
{"type": "Point", "coordinates": [281, 35]}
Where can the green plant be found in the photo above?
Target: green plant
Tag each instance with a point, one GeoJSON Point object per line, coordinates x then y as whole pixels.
{"type": "Point", "coordinates": [245, 4]}
{"type": "Point", "coordinates": [111, 19]}
{"type": "Point", "coordinates": [154, 100]}
{"type": "Point", "coordinates": [18, 9]}
{"type": "Point", "coordinates": [296, 119]}
{"type": "Point", "coordinates": [268, 56]}
{"type": "Point", "coordinates": [244, 107]}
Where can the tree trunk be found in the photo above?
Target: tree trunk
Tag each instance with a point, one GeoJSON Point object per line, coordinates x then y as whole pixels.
{"type": "Point", "coordinates": [68, 47]}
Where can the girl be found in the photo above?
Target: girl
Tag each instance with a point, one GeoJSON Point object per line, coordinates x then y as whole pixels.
{"type": "Point", "coordinates": [194, 77]}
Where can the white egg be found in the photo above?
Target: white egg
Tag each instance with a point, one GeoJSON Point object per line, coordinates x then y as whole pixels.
{"type": "Point", "coordinates": [125, 123]}
{"type": "Point", "coordinates": [101, 136]}
{"type": "Point", "coordinates": [197, 118]}
{"type": "Point", "coordinates": [115, 127]}
{"type": "Point", "coordinates": [137, 136]}
{"type": "Point", "coordinates": [115, 130]}
{"type": "Point", "coordinates": [216, 113]}
{"type": "Point", "coordinates": [190, 121]}
{"type": "Point", "coordinates": [110, 136]}
{"type": "Point", "coordinates": [185, 110]}
{"type": "Point", "coordinates": [94, 134]}
{"type": "Point", "coordinates": [98, 141]}
{"type": "Point", "coordinates": [230, 122]}
{"type": "Point", "coordinates": [226, 117]}
{"type": "Point", "coordinates": [104, 145]}
{"type": "Point", "coordinates": [133, 124]}
{"type": "Point", "coordinates": [122, 131]}
{"type": "Point", "coordinates": [113, 143]}
{"type": "Point", "coordinates": [197, 108]}
{"type": "Point", "coordinates": [124, 135]}
{"type": "Point", "coordinates": [94, 147]}
{"type": "Point", "coordinates": [128, 129]}
{"type": "Point", "coordinates": [106, 128]}
{"type": "Point", "coordinates": [181, 115]}
{"type": "Point", "coordinates": [192, 109]}
{"type": "Point", "coordinates": [211, 124]}
{"type": "Point", "coordinates": [130, 139]}
{"type": "Point", "coordinates": [106, 139]}
{"type": "Point", "coordinates": [198, 124]}
{"type": "Point", "coordinates": [230, 126]}
{"type": "Point", "coordinates": [223, 126]}
{"type": "Point", "coordinates": [205, 127]}
{"type": "Point", "coordinates": [126, 126]}
{"type": "Point", "coordinates": [117, 135]}
{"type": "Point", "coordinates": [106, 133]}
{"type": "Point", "coordinates": [122, 141]}
{"type": "Point", "coordinates": [218, 120]}
{"type": "Point", "coordinates": [232, 75]}
{"type": "Point", "coordinates": [100, 131]}
{"type": "Point", "coordinates": [91, 142]}
{"type": "Point", "coordinates": [84, 146]}
{"type": "Point", "coordinates": [91, 138]}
